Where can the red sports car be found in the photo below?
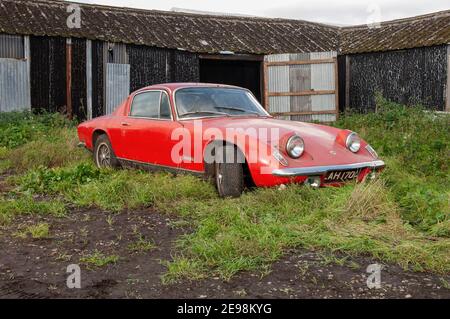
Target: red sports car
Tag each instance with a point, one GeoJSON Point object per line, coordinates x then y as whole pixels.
{"type": "Point", "coordinates": [223, 133]}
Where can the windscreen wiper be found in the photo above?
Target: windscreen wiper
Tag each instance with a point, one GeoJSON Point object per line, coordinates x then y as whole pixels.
{"type": "Point", "coordinates": [237, 109]}
{"type": "Point", "coordinates": [204, 112]}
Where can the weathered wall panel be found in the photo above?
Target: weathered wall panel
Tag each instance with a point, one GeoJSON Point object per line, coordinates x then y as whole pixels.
{"type": "Point", "coordinates": [14, 85]}
{"type": "Point", "coordinates": [414, 76]}
{"type": "Point", "coordinates": [148, 66]}
{"type": "Point", "coordinates": [117, 85]}
{"type": "Point", "coordinates": [184, 67]}
{"type": "Point", "coordinates": [97, 78]}
{"type": "Point", "coordinates": [154, 66]}
{"type": "Point", "coordinates": [48, 73]}
{"type": "Point", "coordinates": [79, 101]}
{"type": "Point", "coordinates": [301, 85]}
{"type": "Point", "coordinates": [11, 46]}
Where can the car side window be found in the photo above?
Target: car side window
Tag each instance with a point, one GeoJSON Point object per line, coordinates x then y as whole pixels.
{"type": "Point", "coordinates": [165, 107]}
{"type": "Point", "coordinates": [146, 105]}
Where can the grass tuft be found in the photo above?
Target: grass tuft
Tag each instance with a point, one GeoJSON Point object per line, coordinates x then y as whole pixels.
{"type": "Point", "coordinates": [98, 259]}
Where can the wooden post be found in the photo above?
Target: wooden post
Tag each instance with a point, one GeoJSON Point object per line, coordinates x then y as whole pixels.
{"type": "Point", "coordinates": [69, 77]}
{"type": "Point", "coordinates": [447, 100]}
{"type": "Point", "coordinates": [336, 86]}
{"type": "Point", "coordinates": [266, 87]}
{"type": "Point", "coordinates": [89, 79]}
{"type": "Point", "coordinates": [347, 82]}
{"type": "Point", "coordinates": [27, 56]}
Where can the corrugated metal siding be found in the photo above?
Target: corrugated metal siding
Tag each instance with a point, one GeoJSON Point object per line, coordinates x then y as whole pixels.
{"type": "Point", "coordinates": [48, 73]}
{"type": "Point", "coordinates": [117, 85]}
{"type": "Point", "coordinates": [296, 78]}
{"type": "Point", "coordinates": [151, 65]}
{"type": "Point", "coordinates": [414, 76]}
{"type": "Point", "coordinates": [14, 85]}
{"type": "Point", "coordinates": [148, 66]}
{"type": "Point", "coordinates": [98, 79]}
{"type": "Point", "coordinates": [278, 81]}
{"type": "Point", "coordinates": [12, 46]}
{"type": "Point", "coordinates": [79, 98]}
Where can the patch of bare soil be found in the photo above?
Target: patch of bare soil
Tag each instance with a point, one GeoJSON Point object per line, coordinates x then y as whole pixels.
{"type": "Point", "coordinates": [31, 268]}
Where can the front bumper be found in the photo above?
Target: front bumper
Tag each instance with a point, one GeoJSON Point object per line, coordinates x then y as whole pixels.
{"type": "Point", "coordinates": [322, 170]}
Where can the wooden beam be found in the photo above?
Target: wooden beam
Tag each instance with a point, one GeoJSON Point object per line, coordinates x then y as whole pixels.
{"type": "Point", "coordinates": [304, 93]}
{"type": "Point", "coordinates": [69, 77]}
{"type": "Point", "coordinates": [266, 87]}
{"type": "Point", "coordinates": [305, 113]}
{"type": "Point", "coordinates": [447, 100]}
{"type": "Point", "coordinates": [336, 88]}
{"type": "Point", "coordinates": [27, 56]}
{"type": "Point", "coordinates": [89, 79]}
{"type": "Point", "coordinates": [347, 82]}
{"type": "Point", "coordinates": [284, 63]}
{"type": "Point", "coordinates": [232, 57]}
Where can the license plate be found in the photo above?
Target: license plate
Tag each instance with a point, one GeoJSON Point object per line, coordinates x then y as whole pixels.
{"type": "Point", "coordinates": [342, 176]}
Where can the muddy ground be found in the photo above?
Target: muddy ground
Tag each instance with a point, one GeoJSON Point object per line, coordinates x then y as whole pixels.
{"type": "Point", "coordinates": [32, 268]}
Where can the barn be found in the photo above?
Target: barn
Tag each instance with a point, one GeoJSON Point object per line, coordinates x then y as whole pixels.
{"type": "Point", "coordinates": [298, 70]}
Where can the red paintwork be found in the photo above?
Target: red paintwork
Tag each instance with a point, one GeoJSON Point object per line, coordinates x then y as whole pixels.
{"type": "Point", "coordinates": [149, 141]}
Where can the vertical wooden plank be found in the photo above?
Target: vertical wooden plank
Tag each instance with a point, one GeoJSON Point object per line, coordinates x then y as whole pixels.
{"type": "Point", "coordinates": [266, 86]}
{"type": "Point", "coordinates": [69, 77]}
{"type": "Point", "coordinates": [89, 78]}
{"type": "Point", "coordinates": [262, 88]}
{"type": "Point", "coordinates": [336, 87]}
{"type": "Point", "coordinates": [27, 55]}
{"type": "Point", "coordinates": [447, 100]}
{"type": "Point", "coordinates": [347, 82]}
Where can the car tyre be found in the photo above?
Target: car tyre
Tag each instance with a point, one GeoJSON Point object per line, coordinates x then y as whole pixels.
{"type": "Point", "coordinates": [229, 175]}
{"type": "Point", "coordinates": [104, 156]}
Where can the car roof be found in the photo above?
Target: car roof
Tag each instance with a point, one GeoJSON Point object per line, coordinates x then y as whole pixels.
{"type": "Point", "coordinates": [175, 86]}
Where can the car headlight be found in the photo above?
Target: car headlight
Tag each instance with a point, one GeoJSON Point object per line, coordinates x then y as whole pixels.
{"type": "Point", "coordinates": [353, 142]}
{"type": "Point", "coordinates": [295, 146]}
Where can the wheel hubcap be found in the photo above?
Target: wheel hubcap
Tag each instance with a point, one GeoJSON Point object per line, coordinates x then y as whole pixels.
{"type": "Point", "coordinates": [104, 156]}
{"type": "Point", "coordinates": [219, 175]}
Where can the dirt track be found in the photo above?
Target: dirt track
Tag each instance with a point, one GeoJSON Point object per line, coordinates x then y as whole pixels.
{"type": "Point", "coordinates": [37, 268]}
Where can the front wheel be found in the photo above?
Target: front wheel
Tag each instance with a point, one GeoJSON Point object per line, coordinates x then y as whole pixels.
{"type": "Point", "coordinates": [104, 156]}
{"type": "Point", "coordinates": [229, 172]}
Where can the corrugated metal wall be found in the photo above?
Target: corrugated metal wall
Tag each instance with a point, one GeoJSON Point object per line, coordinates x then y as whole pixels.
{"type": "Point", "coordinates": [12, 46]}
{"type": "Point", "coordinates": [98, 79]}
{"type": "Point", "coordinates": [287, 77]}
{"type": "Point", "coordinates": [117, 85]}
{"type": "Point", "coordinates": [153, 66]}
{"type": "Point", "coordinates": [79, 88]}
{"type": "Point", "coordinates": [413, 76]}
{"type": "Point", "coordinates": [48, 73]}
{"type": "Point", "coordinates": [14, 73]}
{"type": "Point", "coordinates": [14, 85]}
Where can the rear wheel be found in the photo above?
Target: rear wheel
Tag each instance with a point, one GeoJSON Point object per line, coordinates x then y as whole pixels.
{"type": "Point", "coordinates": [104, 156]}
{"type": "Point", "coordinates": [229, 172]}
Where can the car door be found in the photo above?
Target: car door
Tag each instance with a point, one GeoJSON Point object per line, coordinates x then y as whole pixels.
{"type": "Point", "coordinates": [147, 130]}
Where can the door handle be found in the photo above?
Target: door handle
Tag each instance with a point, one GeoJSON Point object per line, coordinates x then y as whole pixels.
{"type": "Point", "coordinates": [125, 124]}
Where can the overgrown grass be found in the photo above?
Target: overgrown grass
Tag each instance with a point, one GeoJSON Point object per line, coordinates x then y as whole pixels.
{"type": "Point", "coordinates": [26, 205]}
{"type": "Point", "coordinates": [403, 217]}
{"type": "Point", "coordinates": [416, 146]}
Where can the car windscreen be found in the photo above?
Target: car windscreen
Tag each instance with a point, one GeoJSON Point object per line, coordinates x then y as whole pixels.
{"type": "Point", "coordinates": [207, 101]}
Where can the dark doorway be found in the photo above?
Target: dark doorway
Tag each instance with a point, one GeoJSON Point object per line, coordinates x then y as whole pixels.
{"type": "Point", "coordinates": [246, 74]}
